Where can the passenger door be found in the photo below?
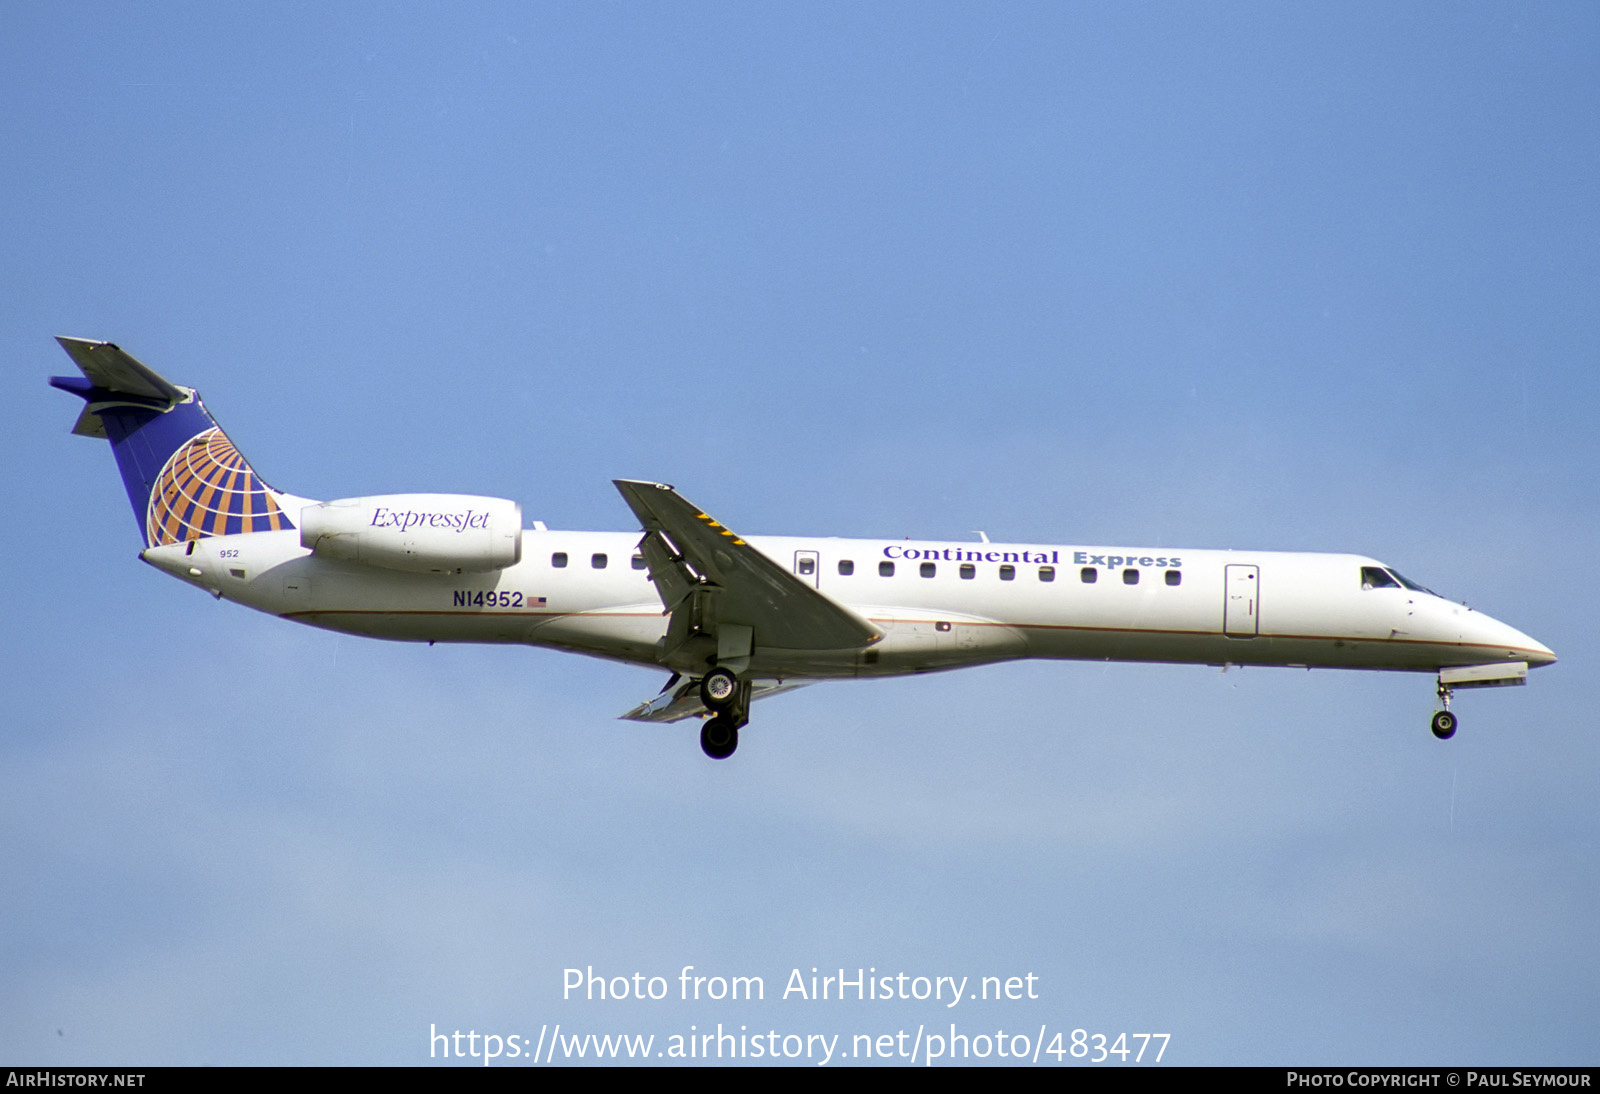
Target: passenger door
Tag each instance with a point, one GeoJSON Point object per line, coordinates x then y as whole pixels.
{"type": "Point", "coordinates": [1241, 615]}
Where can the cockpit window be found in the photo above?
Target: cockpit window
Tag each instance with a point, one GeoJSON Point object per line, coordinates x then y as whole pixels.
{"type": "Point", "coordinates": [1376, 577]}
{"type": "Point", "coordinates": [1412, 585]}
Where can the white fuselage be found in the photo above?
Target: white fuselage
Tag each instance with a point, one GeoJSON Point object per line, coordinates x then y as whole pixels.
{"type": "Point", "coordinates": [944, 605]}
{"type": "Point", "coordinates": [735, 619]}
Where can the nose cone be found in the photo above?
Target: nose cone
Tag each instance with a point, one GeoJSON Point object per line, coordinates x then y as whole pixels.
{"type": "Point", "coordinates": [1538, 653]}
{"type": "Point", "coordinates": [1507, 643]}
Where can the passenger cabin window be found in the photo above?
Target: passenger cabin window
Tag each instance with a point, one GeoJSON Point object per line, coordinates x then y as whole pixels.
{"type": "Point", "coordinates": [638, 562]}
{"type": "Point", "coordinates": [598, 561]}
{"type": "Point", "coordinates": [1174, 577]}
{"type": "Point", "coordinates": [1088, 575]}
{"type": "Point", "coordinates": [1008, 573]}
{"type": "Point", "coordinates": [1130, 577]}
{"type": "Point", "coordinates": [885, 569]}
{"type": "Point", "coordinates": [1047, 573]}
{"type": "Point", "coordinates": [808, 566]}
{"type": "Point", "coordinates": [559, 560]}
{"type": "Point", "coordinates": [928, 569]}
{"type": "Point", "coordinates": [968, 571]}
{"type": "Point", "coordinates": [1373, 577]}
{"type": "Point", "coordinates": [846, 567]}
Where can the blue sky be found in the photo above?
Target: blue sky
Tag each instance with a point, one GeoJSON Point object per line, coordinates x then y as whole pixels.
{"type": "Point", "coordinates": [1309, 277]}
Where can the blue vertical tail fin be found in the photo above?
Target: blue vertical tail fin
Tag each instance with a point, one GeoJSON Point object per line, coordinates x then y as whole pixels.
{"type": "Point", "coordinates": [184, 478]}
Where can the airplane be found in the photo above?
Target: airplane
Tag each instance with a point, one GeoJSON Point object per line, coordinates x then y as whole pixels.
{"type": "Point", "coordinates": [737, 618]}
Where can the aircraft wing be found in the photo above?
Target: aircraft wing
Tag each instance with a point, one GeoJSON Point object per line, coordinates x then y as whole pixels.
{"type": "Point", "coordinates": [683, 701]}
{"type": "Point", "coordinates": [756, 603]}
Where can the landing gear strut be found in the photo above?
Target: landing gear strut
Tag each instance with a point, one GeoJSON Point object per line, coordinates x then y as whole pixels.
{"type": "Point", "coordinates": [727, 697]}
{"type": "Point", "coordinates": [1444, 723]}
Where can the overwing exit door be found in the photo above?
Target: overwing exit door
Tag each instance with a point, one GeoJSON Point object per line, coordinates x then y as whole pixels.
{"type": "Point", "coordinates": [808, 568]}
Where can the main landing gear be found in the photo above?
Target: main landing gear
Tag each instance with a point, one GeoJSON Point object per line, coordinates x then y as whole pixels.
{"type": "Point", "coordinates": [718, 737]}
{"type": "Point", "coordinates": [1444, 723]}
{"type": "Point", "coordinates": [728, 699]}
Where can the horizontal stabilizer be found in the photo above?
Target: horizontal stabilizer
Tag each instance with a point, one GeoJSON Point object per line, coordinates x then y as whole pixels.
{"type": "Point", "coordinates": [90, 424]}
{"type": "Point", "coordinates": [108, 368]}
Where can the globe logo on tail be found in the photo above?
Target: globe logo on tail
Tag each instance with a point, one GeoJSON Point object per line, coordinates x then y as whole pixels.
{"type": "Point", "coordinates": [207, 489]}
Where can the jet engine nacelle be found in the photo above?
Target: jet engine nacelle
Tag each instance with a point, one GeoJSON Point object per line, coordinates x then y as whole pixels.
{"type": "Point", "coordinates": [423, 533]}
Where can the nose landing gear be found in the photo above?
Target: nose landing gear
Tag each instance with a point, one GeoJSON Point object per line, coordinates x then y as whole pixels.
{"type": "Point", "coordinates": [1444, 723]}
{"type": "Point", "coordinates": [1498, 675]}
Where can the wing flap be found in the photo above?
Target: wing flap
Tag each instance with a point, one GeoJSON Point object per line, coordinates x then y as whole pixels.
{"type": "Point", "coordinates": [673, 578]}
